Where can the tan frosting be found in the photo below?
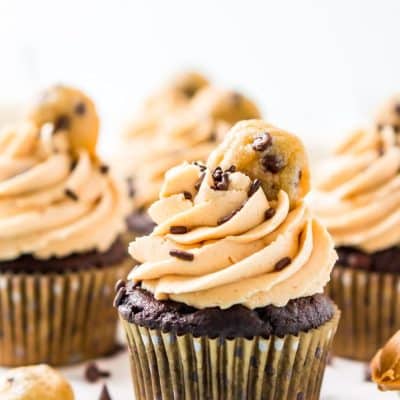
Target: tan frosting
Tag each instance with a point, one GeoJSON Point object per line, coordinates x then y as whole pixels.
{"type": "Point", "coordinates": [187, 132]}
{"type": "Point", "coordinates": [358, 196]}
{"type": "Point", "coordinates": [385, 366]}
{"type": "Point", "coordinates": [53, 202]}
{"type": "Point", "coordinates": [233, 262]}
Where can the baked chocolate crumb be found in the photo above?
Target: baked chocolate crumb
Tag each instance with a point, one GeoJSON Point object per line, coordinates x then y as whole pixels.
{"type": "Point", "coordinates": [269, 213]}
{"type": "Point", "coordinates": [71, 194]}
{"type": "Point", "coordinates": [283, 263]}
{"type": "Point", "coordinates": [105, 394]}
{"type": "Point", "coordinates": [183, 255]}
{"type": "Point", "coordinates": [178, 230]}
{"type": "Point", "coordinates": [255, 185]}
{"type": "Point", "coordinates": [120, 284]}
{"type": "Point", "coordinates": [104, 169]}
{"type": "Point", "coordinates": [131, 187]}
{"type": "Point", "coordinates": [226, 218]}
{"type": "Point", "coordinates": [273, 163]}
{"type": "Point", "coordinates": [93, 373]}
{"type": "Point", "coordinates": [80, 108]}
{"type": "Point", "coordinates": [262, 142]}
{"type": "Point", "coordinates": [118, 298]}
{"type": "Point", "coordinates": [187, 195]}
{"type": "Point", "coordinates": [199, 181]}
{"type": "Point", "coordinates": [63, 122]}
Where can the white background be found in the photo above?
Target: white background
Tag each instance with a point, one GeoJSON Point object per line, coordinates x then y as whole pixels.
{"type": "Point", "coordinates": [316, 67]}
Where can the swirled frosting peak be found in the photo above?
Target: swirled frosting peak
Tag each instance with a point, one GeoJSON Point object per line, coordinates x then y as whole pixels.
{"type": "Point", "coordinates": [55, 197]}
{"type": "Point", "coordinates": [221, 239]}
{"type": "Point", "coordinates": [358, 196]}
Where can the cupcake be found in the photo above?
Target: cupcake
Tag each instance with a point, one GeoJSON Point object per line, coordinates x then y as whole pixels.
{"type": "Point", "coordinates": [227, 301]}
{"type": "Point", "coordinates": [385, 366]}
{"type": "Point", "coordinates": [358, 200]}
{"type": "Point", "coordinates": [38, 382]}
{"type": "Point", "coordinates": [184, 130]}
{"type": "Point", "coordinates": [61, 217]}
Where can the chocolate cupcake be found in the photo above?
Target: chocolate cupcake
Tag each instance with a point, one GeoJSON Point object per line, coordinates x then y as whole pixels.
{"type": "Point", "coordinates": [358, 199]}
{"type": "Point", "coordinates": [178, 127]}
{"type": "Point", "coordinates": [227, 299]}
{"type": "Point", "coordinates": [61, 216]}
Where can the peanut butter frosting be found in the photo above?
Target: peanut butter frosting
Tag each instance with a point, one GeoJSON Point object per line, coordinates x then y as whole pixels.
{"type": "Point", "coordinates": [385, 366]}
{"type": "Point", "coordinates": [358, 191]}
{"type": "Point", "coordinates": [226, 236]}
{"type": "Point", "coordinates": [56, 198]}
{"type": "Point", "coordinates": [187, 131]}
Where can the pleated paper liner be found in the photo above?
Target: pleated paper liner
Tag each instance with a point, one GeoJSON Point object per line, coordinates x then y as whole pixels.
{"type": "Point", "coordinates": [370, 306]}
{"type": "Point", "coordinates": [170, 367]}
{"type": "Point", "coordinates": [58, 319]}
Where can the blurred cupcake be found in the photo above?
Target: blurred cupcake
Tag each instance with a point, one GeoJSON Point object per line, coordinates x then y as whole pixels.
{"type": "Point", "coordinates": [181, 130]}
{"type": "Point", "coordinates": [61, 217]}
{"type": "Point", "coordinates": [358, 200]}
{"type": "Point", "coordinates": [38, 382]}
{"type": "Point", "coordinates": [227, 302]}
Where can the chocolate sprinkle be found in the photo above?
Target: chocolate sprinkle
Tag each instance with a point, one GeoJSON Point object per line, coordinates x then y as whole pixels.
{"type": "Point", "coordinates": [80, 108]}
{"type": "Point", "coordinates": [118, 298]}
{"type": "Point", "coordinates": [221, 179]}
{"type": "Point", "coordinates": [283, 263]}
{"type": "Point", "coordinates": [104, 169]}
{"type": "Point", "coordinates": [93, 373]}
{"type": "Point", "coordinates": [231, 169]}
{"type": "Point", "coordinates": [269, 213]}
{"type": "Point", "coordinates": [188, 195]}
{"type": "Point", "coordinates": [201, 166]}
{"type": "Point", "coordinates": [226, 218]}
{"type": "Point", "coordinates": [255, 185]}
{"type": "Point", "coordinates": [71, 194]}
{"type": "Point", "coordinates": [119, 285]}
{"type": "Point", "coordinates": [199, 181]}
{"type": "Point", "coordinates": [273, 163]}
{"type": "Point", "coordinates": [178, 230]}
{"type": "Point", "coordinates": [262, 142]}
{"type": "Point", "coordinates": [105, 395]}
{"type": "Point", "coordinates": [183, 255]}
{"type": "Point", "coordinates": [63, 122]}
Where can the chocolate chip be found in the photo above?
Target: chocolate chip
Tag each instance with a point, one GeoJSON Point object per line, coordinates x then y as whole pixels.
{"type": "Point", "coordinates": [105, 395]}
{"type": "Point", "coordinates": [120, 294]}
{"type": "Point", "coordinates": [262, 142]}
{"type": "Point", "coordinates": [212, 137]}
{"type": "Point", "coordinates": [80, 108]}
{"type": "Point", "coordinates": [104, 169]}
{"type": "Point", "coordinates": [359, 260]}
{"type": "Point", "coordinates": [120, 284]}
{"type": "Point", "coordinates": [93, 373]}
{"type": "Point", "coordinates": [178, 230]}
{"type": "Point", "coordinates": [199, 181]}
{"type": "Point", "coordinates": [71, 194]}
{"type": "Point", "coordinates": [183, 255]}
{"type": "Point", "coordinates": [396, 128]}
{"type": "Point", "coordinates": [255, 185]}
{"type": "Point", "coordinates": [226, 218]}
{"type": "Point", "coordinates": [74, 163]}
{"type": "Point", "coordinates": [221, 179]}
{"type": "Point", "coordinates": [63, 122]}
{"type": "Point", "coordinates": [281, 264]}
{"type": "Point", "coordinates": [131, 187]}
{"type": "Point", "coordinates": [269, 213]}
{"type": "Point", "coordinates": [189, 91]}
{"type": "Point", "coordinates": [188, 195]}
{"type": "Point", "coordinates": [273, 163]}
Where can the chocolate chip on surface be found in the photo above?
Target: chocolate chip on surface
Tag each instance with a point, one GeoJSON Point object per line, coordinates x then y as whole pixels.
{"type": "Point", "coordinates": [178, 230]}
{"type": "Point", "coordinates": [262, 142]}
{"type": "Point", "coordinates": [63, 122]}
{"type": "Point", "coordinates": [269, 213]}
{"type": "Point", "coordinates": [71, 194]}
{"type": "Point", "coordinates": [80, 108]}
{"type": "Point", "coordinates": [93, 373]}
{"type": "Point", "coordinates": [187, 195]}
{"type": "Point", "coordinates": [104, 169]}
{"type": "Point", "coordinates": [183, 255]}
{"type": "Point", "coordinates": [283, 263]}
{"type": "Point", "coordinates": [273, 163]}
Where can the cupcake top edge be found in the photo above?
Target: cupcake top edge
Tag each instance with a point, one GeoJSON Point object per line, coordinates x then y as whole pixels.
{"type": "Point", "coordinates": [56, 197]}
{"type": "Point", "coordinates": [236, 230]}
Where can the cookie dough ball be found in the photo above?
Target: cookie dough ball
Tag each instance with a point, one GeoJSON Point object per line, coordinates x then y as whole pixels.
{"type": "Point", "coordinates": [275, 157]}
{"type": "Point", "coordinates": [38, 382]}
{"type": "Point", "coordinates": [70, 110]}
{"type": "Point", "coordinates": [389, 114]}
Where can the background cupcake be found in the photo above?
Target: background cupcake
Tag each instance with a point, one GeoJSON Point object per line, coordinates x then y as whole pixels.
{"type": "Point", "coordinates": [181, 123]}
{"type": "Point", "coordinates": [358, 200]}
{"type": "Point", "coordinates": [61, 217]}
{"type": "Point", "coordinates": [227, 301]}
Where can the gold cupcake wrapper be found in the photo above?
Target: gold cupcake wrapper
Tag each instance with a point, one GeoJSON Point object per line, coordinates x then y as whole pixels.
{"type": "Point", "coordinates": [58, 319]}
{"type": "Point", "coordinates": [370, 306]}
{"type": "Point", "coordinates": [170, 367]}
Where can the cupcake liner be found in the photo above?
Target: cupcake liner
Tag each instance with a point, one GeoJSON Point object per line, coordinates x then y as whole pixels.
{"type": "Point", "coordinates": [58, 319]}
{"type": "Point", "coordinates": [370, 306]}
{"type": "Point", "coordinates": [170, 367]}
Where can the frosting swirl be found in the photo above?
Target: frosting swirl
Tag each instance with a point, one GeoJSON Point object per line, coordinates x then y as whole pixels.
{"type": "Point", "coordinates": [385, 366]}
{"type": "Point", "coordinates": [358, 194]}
{"type": "Point", "coordinates": [55, 200]}
{"type": "Point", "coordinates": [224, 242]}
